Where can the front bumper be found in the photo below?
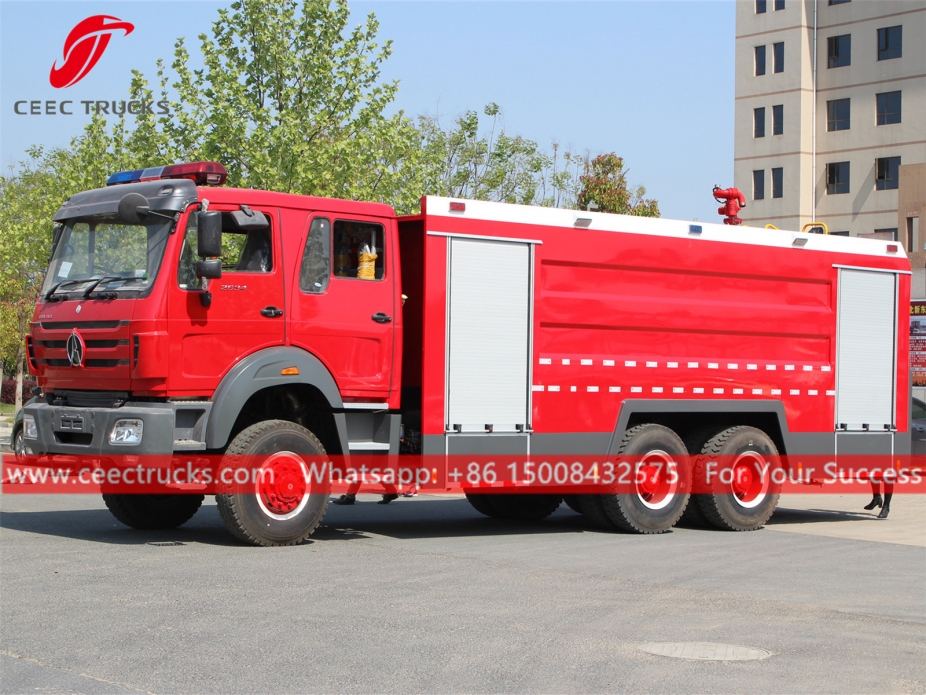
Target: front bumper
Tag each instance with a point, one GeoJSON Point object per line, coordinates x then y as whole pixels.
{"type": "Point", "coordinates": [77, 431]}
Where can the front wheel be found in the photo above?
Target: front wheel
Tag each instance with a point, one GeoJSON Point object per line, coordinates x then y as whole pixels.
{"type": "Point", "coordinates": [274, 506]}
{"type": "Point", "coordinates": [18, 444]}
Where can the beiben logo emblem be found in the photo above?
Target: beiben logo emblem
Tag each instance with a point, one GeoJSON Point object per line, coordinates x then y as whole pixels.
{"type": "Point", "coordinates": [83, 47]}
{"type": "Point", "coordinates": [76, 348]}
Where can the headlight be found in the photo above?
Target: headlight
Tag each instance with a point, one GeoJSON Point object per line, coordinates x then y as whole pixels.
{"type": "Point", "coordinates": [127, 432]}
{"type": "Point", "coordinates": [30, 431]}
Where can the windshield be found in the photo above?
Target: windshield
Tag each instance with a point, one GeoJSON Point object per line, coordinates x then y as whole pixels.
{"type": "Point", "coordinates": [103, 254]}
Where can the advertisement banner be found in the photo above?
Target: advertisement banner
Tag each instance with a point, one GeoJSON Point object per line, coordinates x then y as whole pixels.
{"type": "Point", "coordinates": [918, 341]}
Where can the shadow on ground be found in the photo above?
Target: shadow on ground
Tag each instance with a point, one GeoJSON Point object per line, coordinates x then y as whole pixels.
{"type": "Point", "coordinates": [403, 519]}
{"type": "Point", "coordinates": [421, 518]}
{"type": "Point", "coordinates": [809, 516]}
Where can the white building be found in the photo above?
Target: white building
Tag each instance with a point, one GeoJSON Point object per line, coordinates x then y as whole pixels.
{"type": "Point", "coordinates": [831, 115]}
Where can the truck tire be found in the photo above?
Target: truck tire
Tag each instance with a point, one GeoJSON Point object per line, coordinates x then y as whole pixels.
{"type": "Point", "coordinates": [525, 507]}
{"type": "Point", "coordinates": [18, 443]}
{"type": "Point", "coordinates": [482, 504]}
{"type": "Point", "coordinates": [279, 509]}
{"type": "Point", "coordinates": [660, 477]}
{"type": "Point", "coordinates": [572, 501]}
{"type": "Point", "coordinates": [153, 512]}
{"type": "Point", "coordinates": [590, 507]}
{"type": "Point", "coordinates": [694, 442]}
{"type": "Point", "coordinates": [748, 498]}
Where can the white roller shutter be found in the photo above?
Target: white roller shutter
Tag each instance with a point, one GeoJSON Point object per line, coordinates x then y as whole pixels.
{"type": "Point", "coordinates": [489, 335]}
{"type": "Point", "coordinates": [865, 370]}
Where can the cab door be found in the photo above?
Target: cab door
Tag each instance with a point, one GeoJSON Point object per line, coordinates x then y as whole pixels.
{"type": "Point", "coordinates": [343, 306]}
{"type": "Point", "coordinates": [246, 313]}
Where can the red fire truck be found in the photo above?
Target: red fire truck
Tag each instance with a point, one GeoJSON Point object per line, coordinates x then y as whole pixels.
{"type": "Point", "coordinates": [181, 316]}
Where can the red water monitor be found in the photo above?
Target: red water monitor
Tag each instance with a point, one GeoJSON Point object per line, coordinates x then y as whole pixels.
{"type": "Point", "coordinates": [732, 201]}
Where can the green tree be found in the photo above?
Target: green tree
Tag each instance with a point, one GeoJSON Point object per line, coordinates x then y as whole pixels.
{"type": "Point", "coordinates": [605, 183]}
{"type": "Point", "coordinates": [288, 100]}
{"type": "Point", "coordinates": [488, 165]}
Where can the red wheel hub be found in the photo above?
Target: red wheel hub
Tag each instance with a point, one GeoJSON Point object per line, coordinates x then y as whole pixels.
{"type": "Point", "coordinates": [649, 480]}
{"type": "Point", "coordinates": [656, 483]}
{"type": "Point", "coordinates": [747, 481]}
{"type": "Point", "coordinates": [282, 483]}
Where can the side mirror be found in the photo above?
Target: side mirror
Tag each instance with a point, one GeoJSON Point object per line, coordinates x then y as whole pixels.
{"type": "Point", "coordinates": [209, 235]}
{"type": "Point", "coordinates": [211, 269]}
{"type": "Point", "coordinates": [132, 208]}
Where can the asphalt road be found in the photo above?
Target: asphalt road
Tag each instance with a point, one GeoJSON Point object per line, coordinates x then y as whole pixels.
{"type": "Point", "coordinates": [425, 595]}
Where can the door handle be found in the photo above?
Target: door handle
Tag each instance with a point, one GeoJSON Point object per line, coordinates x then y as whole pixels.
{"type": "Point", "coordinates": [380, 317]}
{"type": "Point", "coordinates": [271, 312]}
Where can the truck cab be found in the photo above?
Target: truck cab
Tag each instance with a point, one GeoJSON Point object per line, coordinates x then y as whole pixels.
{"type": "Point", "coordinates": [148, 342]}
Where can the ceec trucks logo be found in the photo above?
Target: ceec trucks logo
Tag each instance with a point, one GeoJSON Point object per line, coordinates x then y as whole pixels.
{"type": "Point", "coordinates": [84, 47]}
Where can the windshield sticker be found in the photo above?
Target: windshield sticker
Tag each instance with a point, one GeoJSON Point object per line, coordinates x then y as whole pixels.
{"type": "Point", "coordinates": [65, 269]}
{"type": "Point", "coordinates": [139, 273]}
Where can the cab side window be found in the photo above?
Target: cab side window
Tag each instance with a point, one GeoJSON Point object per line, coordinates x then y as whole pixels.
{"type": "Point", "coordinates": [316, 265]}
{"type": "Point", "coordinates": [247, 246]}
{"type": "Point", "coordinates": [359, 250]}
{"type": "Point", "coordinates": [186, 272]}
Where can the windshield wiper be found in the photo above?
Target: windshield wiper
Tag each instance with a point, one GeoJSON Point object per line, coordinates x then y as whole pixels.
{"type": "Point", "coordinates": [110, 278]}
{"type": "Point", "coordinates": [66, 283]}
{"type": "Point", "coordinates": [105, 278]}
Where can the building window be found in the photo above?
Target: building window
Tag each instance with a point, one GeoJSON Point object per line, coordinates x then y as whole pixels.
{"type": "Point", "coordinates": [778, 119]}
{"type": "Point", "coordinates": [760, 60]}
{"type": "Point", "coordinates": [777, 182]}
{"type": "Point", "coordinates": [839, 2]}
{"type": "Point", "coordinates": [839, 51]}
{"type": "Point", "coordinates": [889, 233]}
{"type": "Point", "coordinates": [779, 56]}
{"type": "Point", "coordinates": [846, 233]}
{"type": "Point", "coordinates": [837, 178]}
{"type": "Point", "coordinates": [890, 42]}
{"type": "Point", "coordinates": [779, 5]}
{"type": "Point", "coordinates": [758, 122]}
{"type": "Point", "coordinates": [837, 114]}
{"type": "Point", "coordinates": [887, 173]}
{"type": "Point", "coordinates": [888, 108]}
{"type": "Point", "coordinates": [758, 184]}
{"type": "Point", "coordinates": [760, 6]}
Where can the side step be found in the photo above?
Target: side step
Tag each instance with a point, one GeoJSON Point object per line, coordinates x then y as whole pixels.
{"type": "Point", "coordinates": [373, 432]}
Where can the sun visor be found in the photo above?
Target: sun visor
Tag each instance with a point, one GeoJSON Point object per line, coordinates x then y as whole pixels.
{"type": "Point", "coordinates": [165, 196]}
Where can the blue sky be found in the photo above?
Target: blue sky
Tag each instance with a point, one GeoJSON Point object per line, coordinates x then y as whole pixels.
{"type": "Point", "coordinates": [651, 80]}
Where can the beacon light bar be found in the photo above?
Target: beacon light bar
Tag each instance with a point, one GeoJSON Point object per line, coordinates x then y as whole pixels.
{"type": "Point", "coordinates": [202, 173]}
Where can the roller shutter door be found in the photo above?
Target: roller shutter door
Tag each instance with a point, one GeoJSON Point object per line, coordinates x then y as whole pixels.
{"type": "Point", "coordinates": [867, 331]}
{"type": "Point", "coordinates": [489, 335]}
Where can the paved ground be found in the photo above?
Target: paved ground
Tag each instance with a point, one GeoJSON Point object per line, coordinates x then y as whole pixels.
{"type": "Point", "coordinates": [425, 595]}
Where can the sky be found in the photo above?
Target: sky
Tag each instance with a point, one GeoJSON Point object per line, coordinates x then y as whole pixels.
{"type": "Point", "coordinates": [651, 80]}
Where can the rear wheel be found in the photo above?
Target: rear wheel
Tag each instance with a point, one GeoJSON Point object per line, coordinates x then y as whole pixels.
{"type": "Point", "coordinates": [659, 477]}
{"type": "Point", "coordinates": [275, 506]}
{"type": "Point", "coordinates": [694, 442]}
{"type": "Point", "coordinates": [482, 503]}
{"type": "Point", "coordinates": [153, 512]}
{"type": "Point", "coordinates": [572, 501]}
{"type": "Point", "coordinates": [743, 492]}
{"type": "Point", "coordinates": [526, 507]}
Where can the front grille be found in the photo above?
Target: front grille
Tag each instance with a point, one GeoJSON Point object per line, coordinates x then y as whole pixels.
{"type": "Point", "coordinates": [87, 363]}
{"type": "Point", "coordinates": [89, 399]}
{"type": "Point", "coordinates": [78, 438]}
{"type": "Point", "coordinates": [69, 325]}
{"type": "Point", "coordinates": [91, 344]}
